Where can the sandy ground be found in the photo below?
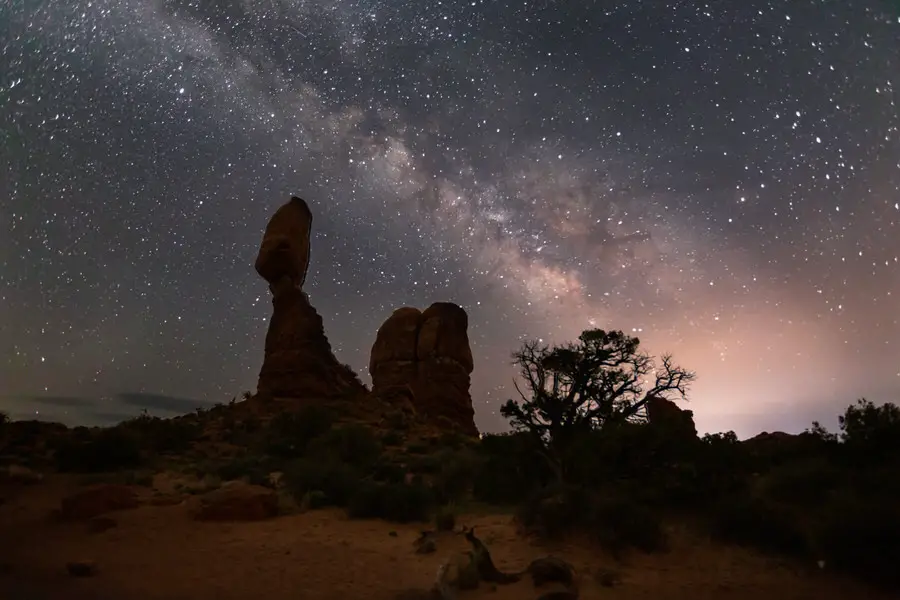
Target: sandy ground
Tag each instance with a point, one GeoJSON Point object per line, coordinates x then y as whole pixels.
{"type": "Point", "coordinates": [158, 553]}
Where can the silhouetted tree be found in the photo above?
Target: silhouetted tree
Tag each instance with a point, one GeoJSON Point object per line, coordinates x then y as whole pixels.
{"type": "Point", "coordinates": [601, 380]}
{"type": "Point", "coordinates": [871, 432]}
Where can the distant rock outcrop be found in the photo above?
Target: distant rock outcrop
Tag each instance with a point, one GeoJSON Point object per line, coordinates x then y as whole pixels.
{"type": "Point", "coordinates": [781, 446]}
{"type": "Point", "coordinates": [426, 356]}
{"type": "Point", "coordinates": [665, 413]}
{"type": "Point", "coordinates": [299, 362]}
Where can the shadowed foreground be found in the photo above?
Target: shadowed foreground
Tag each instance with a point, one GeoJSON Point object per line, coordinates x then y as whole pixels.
{"type": "Point", "coordinates": [158, 552]}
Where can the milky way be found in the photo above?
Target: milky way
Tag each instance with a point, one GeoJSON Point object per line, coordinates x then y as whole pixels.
{"type": "Point", "coordinates": [722, 180]}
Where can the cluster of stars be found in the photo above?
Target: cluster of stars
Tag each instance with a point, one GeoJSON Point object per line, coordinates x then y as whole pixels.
{"type": "Point", "coordinates": [721, 179]}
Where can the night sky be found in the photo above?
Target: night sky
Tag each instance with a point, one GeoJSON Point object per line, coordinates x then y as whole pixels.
{"type": "Point", "coordinates": [486, 153]}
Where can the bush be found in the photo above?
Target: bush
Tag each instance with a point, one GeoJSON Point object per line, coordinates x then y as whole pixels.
{"type": "Point", "coordinates": [622, 524]}
{"type": "Point", "coordinates": [554, 511]}
{"type": "Point", "coordinates": [871, 434]}
{"type": "Point", "coordinates": [253, 469]}
{"type": "Point", "coordinates": [452, 439]}
{"type": "Point", "coordinates": [453, 480]}
{"type": "Point", "coordinates": [508, 469]}
{"type": "Point", "coordinates": [618, 524]}
{"type": "Point", "coordinates": [722, 467]}
{"type": "Point", "coordinates": [417, 448]}
{"type": "Point", "coordinates": [392, 438]}
{"type": "Point", "coordinates": [338, 482]}
{"type": "Point", "coordinates": [427, 464]}
{"type": "Point", "coordinates": [861, 538]}
{"type": "Point", "coordinates": [163, 436]}
{"type": "Point", "coordinates": [445, 519]}
{"type": "Point", "coordinates": [398, 420]}
{"type": "Point", "coordinates": [289, 434]}
{"type": "Point", "coordinates": [751, 521]}
{"type": "Point", "coordinates": [387, 471]}
{"type": "Point", "coordinates": [354, 445]}
{"type": "Point", "coordinates": [315, 500]}
{"type": "Point", "coordinates": [96, 452]}
{"type": "Point", "coordinates": [396, 502]}
{"type": "Point", "coordinates": [804, 484]}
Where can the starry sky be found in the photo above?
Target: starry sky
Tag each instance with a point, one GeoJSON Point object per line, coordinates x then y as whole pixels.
{"type": "Point", "coordinates": [722, 179]}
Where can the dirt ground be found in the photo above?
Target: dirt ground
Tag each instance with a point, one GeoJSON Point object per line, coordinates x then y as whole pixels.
{"type": "Point", "coordinates": [159, 553]}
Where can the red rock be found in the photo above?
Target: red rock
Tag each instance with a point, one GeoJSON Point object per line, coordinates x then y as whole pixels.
{"type": "Point", "coordinates": [236, 501]}
{"type": "Point", "coordinates": [426, 356]}
{"type": "Point", "coordinates": [392, 361]}
{"type": "Point", "coordinates": [98, 500]}
{"type": "Point", "coordinates": [284, 252]}
{"type": "Point", "coordinates": [299, 362]}
{"type": "Point", "coordinates": [20, 474]}
{"type": "Point", "coordinates": [443, 333]}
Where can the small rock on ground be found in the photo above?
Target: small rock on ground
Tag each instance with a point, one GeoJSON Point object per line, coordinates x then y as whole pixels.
{"type": "Point", "coordinates": [81, 568]}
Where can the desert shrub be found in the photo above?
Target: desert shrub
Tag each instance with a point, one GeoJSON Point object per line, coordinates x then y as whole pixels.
{"type": "Point", "coordinates": [804, 483]}
{"type": "Point", "coordinates": [22, 438]}
{"type": "Point", "coordinates": [398, 420]}
{"type": "Point", "coordinates": [870, 433]}
{"type": "Point", "coordinates": [163, 436]}
{"type": "Point", "coordinates": [509, 469]}
{"type": "Point", "coordinates": [128, 477]}
{"type": "Point", "coordinates": [417, 448]}
{"type": "Point", "coordinates": [456, 470]}
{"type": "Point", "coordinates": [722, 467]}
{"type": "Point", "coordinates": [337, 481]}
{"type": "Point", "coordinates": [427, 464]}
{"type": "Point", "coordinates": [622, 524]}
{"type": "Point", "coordinates": [289, 434]}
{"type": "Point", "coordinates": [554, 511]}
{"type": "Point", "coordinates": [407, 502]}
{"type": "Point", "coordinates": [751, 521]}
{"type": "Point", "coordinates": [95, 452]}
{"type": "Point", "coordinates": [314, 500]}
{"type": "Point", "coordinates": [251, 468]}
{"type": "Point", "coordinates": [862, 538]}
{"type": "Point", "coordinates": [392, 438]}
{"type": "Point", "coordinates": [398, 502]}
{"type": "Point", "coordinates": [623, 450]}
{"type": "Point", "coordinates": [353, 444]}
{"type": "Point", "coordinates": [876, 482]}
{"type": "Point", "coordinates": [239, 431]}
{"type": "Point", "coordinates": [387, 471]}
{"type": "Point", "coordinates": [618, 522]}
{"type": "Point", "coordinates": [445, 519]}
{"type": "Point", "coordinates": [452, 439]}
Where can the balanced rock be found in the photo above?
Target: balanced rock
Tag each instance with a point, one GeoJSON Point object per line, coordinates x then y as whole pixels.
{"type": "Point", "coordinates": [284, 251]}
{"type": "Point", "coordinates": [427, 356]}
{"type": "Point", "coordinates": [298, 362]}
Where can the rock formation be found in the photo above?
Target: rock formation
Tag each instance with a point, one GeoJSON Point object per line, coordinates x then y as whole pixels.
{"type": "Point", "coordinates": [426, 357]}
{"type": "Point", "coordinates": [663, 412]}
{"type": "Point", "coordinates": [284, 252]}
{"type": "Point", "coordinates": [299, 362]}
